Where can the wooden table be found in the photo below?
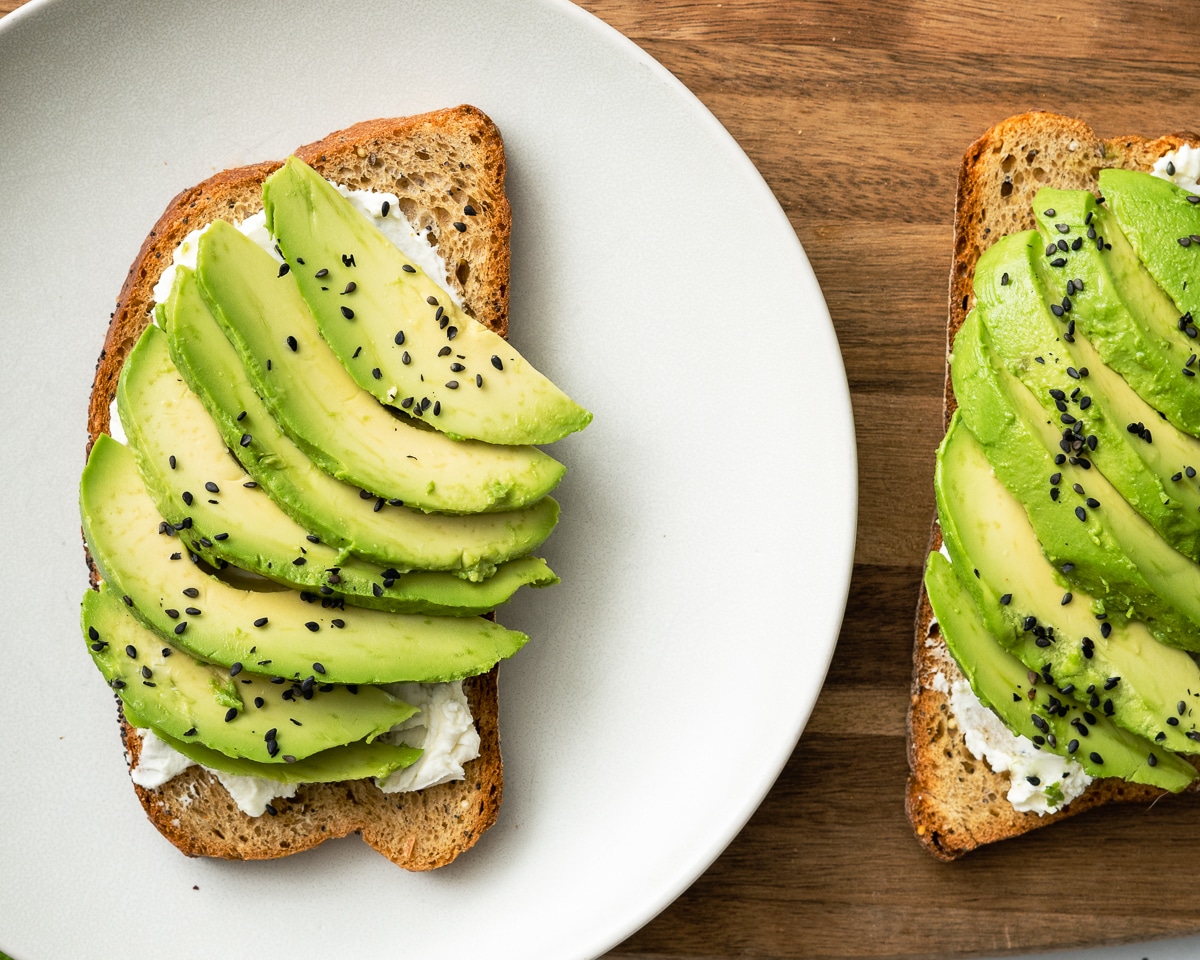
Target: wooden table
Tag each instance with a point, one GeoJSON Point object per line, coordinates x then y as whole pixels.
{"type": "Point", "coordinates": [857, 114]}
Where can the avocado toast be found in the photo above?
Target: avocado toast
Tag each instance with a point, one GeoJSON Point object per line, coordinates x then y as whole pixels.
{"type": "Point", "coordinates": [1061, 581]}
{"type": "Point", "coordinates": [262, 610]}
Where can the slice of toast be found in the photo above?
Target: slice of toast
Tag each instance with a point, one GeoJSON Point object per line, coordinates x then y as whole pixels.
{"type": "Point", "coordinates": [447, 169]}
{"type": "Point", "coordinates": [955, 802]}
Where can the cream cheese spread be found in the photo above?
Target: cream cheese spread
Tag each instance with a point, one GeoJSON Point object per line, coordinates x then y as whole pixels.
{"type": "Point", "coordinates": [1181, 167]}
{"type": "Point", "coordinates": [1041, 782]}
{"type": "Point", "coordinates": [442, 727]}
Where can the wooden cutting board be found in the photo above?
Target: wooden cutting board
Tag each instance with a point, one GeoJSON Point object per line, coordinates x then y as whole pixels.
{"type": "Point", "coordinates": [857, 114]}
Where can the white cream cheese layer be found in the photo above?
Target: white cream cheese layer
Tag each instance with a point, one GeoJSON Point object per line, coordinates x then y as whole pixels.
{"type": "Point", "coordinates": [442, 727]}
{"type": "Point", "coordinates": [1041, 782]}
{"type": "Point", "coordinates": [1181, 167]}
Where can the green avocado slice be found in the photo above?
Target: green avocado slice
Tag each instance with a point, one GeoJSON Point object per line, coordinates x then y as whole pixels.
{"type": "Point", "coordinates": [231, 713]}
{"type": "Point", "coordinates": [353, 761]}
{"type": "Point", "coordinates": [1149, 465]}
{"type": "Point", "coordinates": [141, 557]}
{"type": "Point", "coordinates": [343, 429]}
{"type": "Point", "coordinates": [1120, 670]}
{"type": "Point", "coordinates": [180, 454]}
{"type": "Point", "coordinates": [1086, 529]}
{"type": "Point", "coordinates": [400, 336]}
{"type": "Point", "coordinates": [396, 537]}
{"type": "Point", "coordinates": [1002, 682]}
{"type": "Point", "coordinates": [1162, 222]}
{"type": "Point", "coordinates": [1126, 316]}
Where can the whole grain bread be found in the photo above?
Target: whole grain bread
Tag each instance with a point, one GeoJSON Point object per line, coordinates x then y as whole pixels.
{"type": "Point", "coordinates": [955, 802]}
{"type": "Point", "coordinates": [447, 169]}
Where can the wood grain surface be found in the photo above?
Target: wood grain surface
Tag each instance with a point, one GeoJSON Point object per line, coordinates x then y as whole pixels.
{"type": "Point", "coordinates": [857, 114]}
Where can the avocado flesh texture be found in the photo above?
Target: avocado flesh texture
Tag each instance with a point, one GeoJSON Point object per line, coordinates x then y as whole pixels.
{"type": "Point", "coordinates": [1001, 682]}
{"type": "Point", "coordinates": [1154, 214]}
{"type": "Point", "coordinates": [353, 761]}
{"type": "Point", "coordinates": [1128, 318]}
{"type": "Point", "coordinates": [182, 694]}
{"type": "Point", "coordinates": [396, 537]}
{"type": "Point", "coordinates": [985, 528]}
{"type": "Point", "coordinates": [343, 429]}
{"type": "Point", "coordinates": [1114, 554]}
{"type": "Point", "coordinates": [1022, 329]}
{"type": "Point", "coordinates": [514, 404]}
{"type": "Point", "coordinates": [241, 525]}
{"type": "Point", "coordinates": [121, 526]}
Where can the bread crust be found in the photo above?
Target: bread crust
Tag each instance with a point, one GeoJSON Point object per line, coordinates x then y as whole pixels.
{"type": "Point", "coordinates": [954, 802]}
{"type": "Point", "coordinates": [437, 164]}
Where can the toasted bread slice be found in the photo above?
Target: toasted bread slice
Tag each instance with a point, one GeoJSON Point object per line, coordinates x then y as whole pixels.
{"type": "Point", "coordinates": [955, 802]}
{"type": "Point", "coordinates": [445, 167]}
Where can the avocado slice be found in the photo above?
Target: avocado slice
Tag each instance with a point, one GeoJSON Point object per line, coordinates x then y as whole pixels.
{"type": "Point", "coordinates": [1002, 682]}
{"type": "Point", "coordinates": [268, 631]}
{"type": "Point", "coordinates": [1120, 671]}
{"type": "Point", "coordinates": [1162, 222]}
{"type": "Point", "coordinates": [1128, 318]}
{"type": "Point", "coordinates": [353, 761]}
{"type": "Point", "coordinates": [229, 712]}
{"type": "Point", "coordinates": [399, 334]}
{"type": "Point", "coordinates": [343, 429]}
{"type": "Point", "coordinates": [1148, 465]}
{"type": "Point", "coordinates": [241, 525]}
{"type": "Point", "coordinates": [1085, 527]}
{"type": "Point", "coordinates": [388, 534]}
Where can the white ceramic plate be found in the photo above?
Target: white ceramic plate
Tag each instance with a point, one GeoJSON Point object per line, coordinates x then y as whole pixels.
{"type": "Point", "coordinates": [709, 512]}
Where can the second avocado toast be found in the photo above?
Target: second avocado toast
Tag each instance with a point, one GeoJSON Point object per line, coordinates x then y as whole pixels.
{"type": "Point", "coordinates": [1062, 600]}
